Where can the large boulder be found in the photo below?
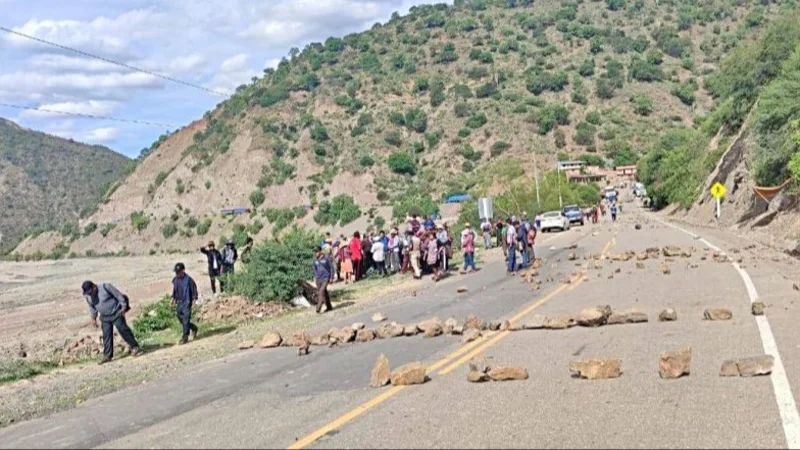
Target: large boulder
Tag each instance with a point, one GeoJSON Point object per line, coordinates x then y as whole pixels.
{"type": "Point", "coordinates": [449, 325]}
{"type": "Point", "coordinates": [431, 327]}
{"type": "Point", "coordinates": [475, 322]}
{"type": "Point", "coordinates": [381, 374]}
{"type": "Point", "coordinates": [535, 323]}
{"type": "Point", "coordinates": [412, 373]}
{"type": "Point", "coordinates": [343, 336]}
{"type": "Point", "coordinates": [271, 339]}
{"type": "Point", "coordinates": [595, 369]}
{"type": "Point", "coordinates": [298, 339]}
{"type": "Point", "coordinates": [390, 330]}
{"type": "Point", "coordinates": [558, 323]}
{"type": "Point", "coordinates": [470, 335]}
{"type": "Point", "coordinates": [508, 373]}
{"type": "Point", "coordinates": [595, 316]}
{"type": "Point", "coordinates": [244, 345]}
{"type": "Point", "coordinates": [748, 367]}
{"type": "Point", "coordinates": [717, 314]}
{"type": "Point", "coordinates": [319, 339]}
{"type": "Point", "coordinates": [365, 335]}
{"type": "Point", "coordinates": [624, 317]}
{"type": "Point", "coordinates": [378, 317]}
{"type": "Point", "coordinates": [673, 365]}
{"type": "Point", "coordinates": [410, 330]}
{"type": "Point", "coordinates": [668, 315]}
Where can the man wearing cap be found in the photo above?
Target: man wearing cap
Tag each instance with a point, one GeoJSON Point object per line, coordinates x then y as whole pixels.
{"type": "Point", "coordinates": [184, 293]}
{"type": "Point", "coordinates": [111, 305]}
{"type": "Point", "coordinates": [322, 275]}
{"type": "Point", "coordinates": [229, 257]}
{"type": "Point", "coordinates": [214, 264]}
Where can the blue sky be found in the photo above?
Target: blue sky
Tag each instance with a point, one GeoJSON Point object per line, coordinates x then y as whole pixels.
{"type": "Point", "coordinates": [217, 44]}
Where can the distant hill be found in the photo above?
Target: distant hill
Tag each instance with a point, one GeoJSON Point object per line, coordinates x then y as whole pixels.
{"type": "Point", "coordinates": [49, 182]}
{"type": "Point", "coordinates": [443, 100]}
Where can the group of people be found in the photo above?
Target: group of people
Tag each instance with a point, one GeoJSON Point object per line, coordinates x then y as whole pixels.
{"type": "Point", "coordinates": [593, 214]}
{"type": "Point", "coordinates": [514, 235]}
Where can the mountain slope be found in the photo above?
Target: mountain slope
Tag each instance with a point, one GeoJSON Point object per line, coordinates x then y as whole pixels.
{"type": "Point", "coordinates": [441, 100]}
{"type": "Point", "coordinates": [47, 181]}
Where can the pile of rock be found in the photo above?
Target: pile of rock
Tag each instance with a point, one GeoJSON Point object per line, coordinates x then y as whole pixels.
{"type": "Point", "coordinates": [239, 309]}
{"type": "Point", "coordinates": [480, 370]}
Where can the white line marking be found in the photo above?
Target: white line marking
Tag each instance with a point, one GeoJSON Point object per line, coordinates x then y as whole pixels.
{"type": "Point", "coordinates": [790, 418]}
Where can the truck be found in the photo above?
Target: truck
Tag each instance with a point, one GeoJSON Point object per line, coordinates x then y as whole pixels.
{"type": "Point", "coordinates": [610, 194]}
{"type": "Point", "coordinates": [573, 213]}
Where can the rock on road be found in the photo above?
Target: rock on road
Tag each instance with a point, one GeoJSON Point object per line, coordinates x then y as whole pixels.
{"type": "Point", "coordinates": [272, 398]}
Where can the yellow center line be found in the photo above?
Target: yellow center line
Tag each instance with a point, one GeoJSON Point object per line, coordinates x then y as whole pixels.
{"type": "Point", "coordinates": [472, 349]}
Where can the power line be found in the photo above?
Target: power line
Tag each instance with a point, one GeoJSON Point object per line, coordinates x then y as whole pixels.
{"type": "Point", "coordinates": [91, 116]}
{"type": "Point", "coordinates": [117, 63]}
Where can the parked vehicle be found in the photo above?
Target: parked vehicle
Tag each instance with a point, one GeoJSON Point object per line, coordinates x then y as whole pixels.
{"type": "Point", "coordinates": [574, 214]}
{"type": "Point", "coordinates": [639, 190]}
{"type": "Point", "coordinates": [554, 220]}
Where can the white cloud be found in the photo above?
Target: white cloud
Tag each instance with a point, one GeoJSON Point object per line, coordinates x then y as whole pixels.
{"type": "Point", "coordinates": [63, 63]}
{"type": "Point", "coordinates": [99, 135]}
{"type": "Point", "coordinates": [235, 63]}
{"type": "Point", "coordinates": [107, 85]}
{"type": "Point", "coordinates": [184, 64]}
{"type": "Point", "coordinates": [93, 107]}
{"type": "Point", "coordinates": [69, 129]}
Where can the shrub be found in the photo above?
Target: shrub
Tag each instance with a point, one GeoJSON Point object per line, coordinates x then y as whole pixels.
{"type": "Point", "coordinates": [470, 153]}
{"type": "Point", "coordinates": [592, 160]}
{"type": "Point", "coordinates": [366, 161]}
{"type": "Point", "coordinates": [89, 228]}
{"type": "Point", "coordinates": [393, 138]}
{"type": "Point", "coordinates": [461, 110]}
{"type": "Point", "coordinates": [191, 222]}
{"type": "Point", "coordinates": [160, 178]}
{"type": "Point", "coordinates": [486, 90]}
{"type": "Point", "coordinates": [584, 134]}
{"type": "Point", "coordinates": [397, 118]}
{"type": "Point", "coordinates": [257, 198]}
{"type": "Point", "coordinates": [154, 317]}
{"type": "Point", "coordinates": [467, 166]}
{"type": "Point", "coordinates": [462, 91]}
{"type": "Point", "coordinates": [464, 132]}
{"type": "Point", "coordinates": [546, 81]}
{"type": "Point", "coordinates": [339, 211]}
{"type": "Point", "coordinates": [402, 163]}
{"type": "Point", "coordinates": [416, 120]}
{"type": "Point", "coordinates": [255, 227]}
{"type": "Point", "coordinates": [561, 140]}
{"type": "Point", "coordinates": [499, 147]}
{"type": "Point", "coordinates": [587, 68]}
{"type": "Point", "coordinates": [277, 267]}
{"type": "Point", "coordinates": [685, 92]}
{"type": "Point", "coordinates": [644, 71]}
{"type": "Point", "coordinates": [605, 89]}
{"type": "Point", "coordinates": [477, 121]}
{"type": "Point", "coordinates": [107, 229]}
{"type": "Point", "coordinates": [642, 104]}
{"type": "Point", "coordinates": [139, 220]}
{"type": "Point", "coordinates": [169, 230]}
{"type": "Point", "coordinates": [593, 117]}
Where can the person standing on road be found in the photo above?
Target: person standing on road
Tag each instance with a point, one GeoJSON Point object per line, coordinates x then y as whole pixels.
{"type": "Point", "coordinates": [511, 243]}
{"type": "Point", "coordinates": [432, 254]}
{"type": "Point", "coordinates": [214, 265]}
{"type": "Point", "coordinates": [522, 238]}
{"type": "Point", "coordinates": [379, 255]}
{"type": "Point", "coordinates": [355, 255]}
{"type": "Point", "coordinates": [322, 275]}
{"type": "Point", "coordinates": [111, 305]}
{"type": "Point", "coordinates": [531, 241]}
{"type": "Point", "coordinates": [395, 246]}
{"type": "Point", "coordinates": [229, 257]}
{"type": "Point", "coordinates": [184, 293]}
{"type": "Point", "coordinates": [468, 247]}
{"type": "Point", "coordinates": [613, 212]}
{"type": "Point", "coordinates": [486, 229]}
{"type": "Point", "coordinates": [415, 254]}
{"type": "Point", "coordinates": [345, 262]}
{"type": "Point", "coordinates": [500, 233]}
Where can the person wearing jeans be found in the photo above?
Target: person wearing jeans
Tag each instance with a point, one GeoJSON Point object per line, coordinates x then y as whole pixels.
{"type": "Point", "coordinates": [468, 247]}
{"type": "Point", "coordinates": [184, 293]}
{"type": "Point", "coordinates": [110, 305]}
{"type": "Point", "coordinates": [486, 228]}
{"type": "Point", "coordinates": [511, 242]}
{"type": "Point", "coordinates": [322, 275]}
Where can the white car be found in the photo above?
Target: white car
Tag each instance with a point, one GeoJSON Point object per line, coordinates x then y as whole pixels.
{"type": "Point", "coordinates": [554, 220]}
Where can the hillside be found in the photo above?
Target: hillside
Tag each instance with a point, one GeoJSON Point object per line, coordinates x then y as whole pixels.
{"type": "Point", "coordinates": [48, 182]}
{"type": "Point", "coordinates": [445, 99]}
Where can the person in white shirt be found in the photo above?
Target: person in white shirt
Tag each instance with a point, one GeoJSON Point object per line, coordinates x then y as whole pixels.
{"type": "Point", "coordinates": [378, 256]}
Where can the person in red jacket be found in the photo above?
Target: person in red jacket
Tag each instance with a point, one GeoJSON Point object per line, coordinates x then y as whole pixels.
{"type": "Point", "coordinates": [355, 255]}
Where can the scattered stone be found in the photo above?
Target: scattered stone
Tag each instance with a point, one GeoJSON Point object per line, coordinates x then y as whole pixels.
{"type": "Point", "coordinates": [642, 256]}
{"type": "Point", "coordinates": [748, 367]}
{"type": "Point", "coordinates": [674, 250]}
{"type": "Point", "coordinates": [758, 308]}
{"type": "Point", "coordinates": [637, 227]}
{"type": "Point", "coordinates": [597, 369]}
{"type": "Point", "coordinates": [717, 314]}
{"type": "Point", "coordinates": [298, 339]}
{"type": "Point", "coordinates": [474, 322]}
{"type": "Point", "coordinates": [473, 376]}
{"type": "Point", "coordinates": [673, 365]}
{"type": "Point", "coordinates": [508, 373]}
{"type": "Point", "coordinates": [618, 270]}
{"type": "Point", "coordinates": [640, 265]}
{"type": "Point", "coordinates": [431, 327]}
{"type": "Point", "coordinates": [343, 336]}
{"type": "Point", "coordinates": [365, 335]}
{"type": "Point", "coordinates": [462, 289]}
{"type": "Point", "coordinates": [572, 256]}
{"type": "Point", "coordinates": [558, 323]}
{"type": "Point", "coordinates": [244, 345]}
{"type": "Point", "coordinates": [381, 374]}
{"type": "Point", "coordinates": [271, 339]}
{"type": "Point", "coordinates": [390, 330]}
{"type": "Point", "coordinates": [319, 339]}
{"type": "Point", "coordinates": [410, 330]}
{"type": "Point", "coordinates": [303, 349]}
{"type": "Point", "coordinates": [378, 317]}
{"type": "Point", "coordinates": [572, 247]}
{"type": "Point", "coordinates": [470, 335]}
{"type": "Point", "coordinates": [653, 252]}
{"type": "Point", "coordinates": [457, 330]}
{"type": "Point", "coordinates": [594, 317]}
{"type": "Point", "coordinates": [449, 325]}
{"type": "Point", "coordinates": [795, 287]}
{"type": "Point", "coordinates": [412, 373]}
{"type": "Point", "coordinates": [665, 269]}
{"type": "Point", "coordinates": [505, 326]}
{"type": "Point", "coordinates": [536, 323]}
{"type": "Point", "coordinates": [624, 317]}
{"type": "Point", "coordinates": [494, 325]}
{"type": "Point", "coordinates": [358, 326]}
{"type": "Point", "coordinates": [668, 315]}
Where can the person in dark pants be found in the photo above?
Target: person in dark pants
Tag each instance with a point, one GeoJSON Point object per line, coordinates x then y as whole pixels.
{"type": "Point", "coordinates": [184, 293]}
{"type": "Point", "coordinates": [322, 275]}
{"type": "Point", "coordinates": [229, 257]}
{"type": "Point", "coordinates": [111, 305]}
{"type": "Point", "coordinates": [214, 265]}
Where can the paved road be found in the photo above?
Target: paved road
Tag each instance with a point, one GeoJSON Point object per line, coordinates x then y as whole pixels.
{"type": "Point", "coordinates": [273, 398]}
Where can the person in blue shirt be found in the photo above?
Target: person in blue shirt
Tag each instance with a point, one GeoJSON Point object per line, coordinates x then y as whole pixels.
{"type": "Point", "coordinates": [613, 212]}
{"type": "Point", "coordinates": [322, 274]}
{"type": "Point", "coordinates": [429, 223]}
{"type": "Point", "coordinates": [184, 293]}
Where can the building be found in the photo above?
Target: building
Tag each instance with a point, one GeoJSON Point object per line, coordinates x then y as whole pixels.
{"type": "Point", "coordinates": [626, 172]}
{"type": "Point", "coordinates": [570, 168]}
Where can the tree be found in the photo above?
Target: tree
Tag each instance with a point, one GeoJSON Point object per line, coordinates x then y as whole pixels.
{"type": "Point", "coordinates": [604, 88]}
{"type": "Point", "coordinates": [584, 134]}
{"type": "Point", "coordinates": [402, 163]}
{"type": "Point", "coordinates": [642, 104]}
{"type": "Point", "coordinates": [257, 198]}
{"type": "Point", "coordinates": [416, 120]}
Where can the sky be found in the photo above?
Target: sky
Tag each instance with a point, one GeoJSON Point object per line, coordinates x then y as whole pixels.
{"type": "Point", "coordinates": [215, 44]}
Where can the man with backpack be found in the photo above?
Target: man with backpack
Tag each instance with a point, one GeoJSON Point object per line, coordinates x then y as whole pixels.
{"type": "Point", "coordinates": [229, 257]}
{"type": "Point", "coordinates": [110, 305]}
{"type": "Point", "coordinates": [214, 265]}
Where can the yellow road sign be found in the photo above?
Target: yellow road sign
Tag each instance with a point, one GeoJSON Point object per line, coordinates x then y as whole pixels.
{"type": "Point", "coordinates": [718, 190]}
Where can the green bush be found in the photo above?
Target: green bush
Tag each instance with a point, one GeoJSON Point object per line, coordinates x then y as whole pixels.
{"type": "Point", "coordinates": [255, 227]}
{"type": "Point", "coordinates": [593, 117]}
{"type": "Point", "coordinates": [605, 89]}
{"type": "Point", "coordinates": [155, 317]}
{"type": "Point", "coordinates": [642, 70]}
{"type": "Point", "coordinates": [107, 228]}
{"type": "Point", "coordinates": [203, 227]}
{"type": "Point", "coordinates": [277, 267]}
{"type": "Point", "coordinates": [461, 110]}
{"type": "Point", "coordinates": [139, 220]}
{"type": "Point", "coordinates": [341, 210]}
{"type": "Point", "coordinates": [169, 230]}
{"type": "Point", "coordinates": [477, 121]}
{"type": "Point", "coordinates": [393, 138]}
{"type": "Point", "coordinates": [685, 92]}
{"type": "Point", "coordinates": [642, 104]}
{"type": "Point", "coordinates": [464, 132]}
{"type": "Point", "coordinates": [416, 120]}
{"type": "Point", "coordinates": [402, 163]}
{"type": "Point", "coordinates": [539, 82]}
{"type": "Point", "coordinates": [467, 166]}
{"type": "Point", "coordinates": [592, 160]}
{"type": "Point", "coordinates": [257, 198]}
{"type": "Point", "coordinates": [470, 153]}
{"type": "Point", "coordinates": [499, 147]}
{"type": "Point", "coordinates": [160, 178]}
{"type": "Point", "coordinates": [584, 134]}
{"type": "Point", "coordinates": [586, 68]}
{"type": "Point", "coordinates": [366, 161]}
{"type": "Point", "coordinates": [319, 133]}
{"type": "Point", "coordinates": [486, 90]}
{"type": "Point", "coordinates": [191, 222]}
{"type": "Point", "coordinates": [89, 228]}
{"type": "Point", "coordinates": [414, 201]}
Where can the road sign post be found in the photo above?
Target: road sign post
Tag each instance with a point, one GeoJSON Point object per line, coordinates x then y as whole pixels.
{"type": "Point", "coordinates": [718, 191]}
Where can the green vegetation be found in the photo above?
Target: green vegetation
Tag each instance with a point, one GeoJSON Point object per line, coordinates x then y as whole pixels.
{"type": "Point", "coordinates": [674, 170]}
{"type": "Point", "coordinates": [155, 317]}
{"type": "Point", "coordinates": [139, 220]}
{"type": "Point", "coordinates": [169, 229]}
{"type": "Point", "coordinates": [20, 369]}
{"type": "Point", "coordinates": [402, 163]}
{"type": "Point", "coordinates": [642, 104]}
{"type": "Point", "coordinates": [257, 198]}
{"type": "Point", "coordinates": [203, 227]}
{"type": "Point", "coordinates": [107, 228]}
{"type": "Point", "coordinates": [339, 211]}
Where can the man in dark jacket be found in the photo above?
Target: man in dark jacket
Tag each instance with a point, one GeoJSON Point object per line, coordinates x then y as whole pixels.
{"type": "Point", "coordinates": [322, 274]}
{"type": "Point", "coordinates": [214, 265]}
{"type": "Point", "coordinates": [184, 293]}
{"type": "Point", "coordinates": [229, 257]}
{"type": "Point", "coordinates": [111, 305]}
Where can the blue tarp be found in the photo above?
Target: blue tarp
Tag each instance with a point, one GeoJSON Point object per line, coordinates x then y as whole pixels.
{"type": "Point", "coordinates": [458, 198]}
{"type": "Point", "coordinates": [234, 211]}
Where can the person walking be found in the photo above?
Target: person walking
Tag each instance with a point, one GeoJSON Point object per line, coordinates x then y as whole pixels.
{"type": "Point", "coordinates": [468, 247]}
{"type": "Point", "coordinates": [531, 241]}
{"type": "Point", "coordinates": [355, 255]}
{"type": "Point", "coordinates": [345, 262]}
{"type": "Point", "coordinates": [613, 212]}
{"type": "Point", "coordinates": [110, 305]}
{"type": "Point", "coordinates": [229, 258]}
{"type": "Point", "coordinates": [322, 275]}
{"type": "Point", "coordinates": [415, 254]}
{"type": "Point", "coordinates": [486, 229]}
{"type": "Point", "coordinates": [379, 255]}
{"type": "Point", "coordinates": [248, 247]}
{"type": "Point", "coordinates": [511, 243]}
{"type": "Point", "coordinates": [522, 239]}
{"type": "Point", "coordinates": [214, 265]}
{"type": "Point", "coordinates": [432, 254]}
{"type": "Point", "coordinates": [395, 247]}
{"type": "Point", "coordinates": [184, 294]}
{"type": "Point", "coordinates": [366, 253]}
